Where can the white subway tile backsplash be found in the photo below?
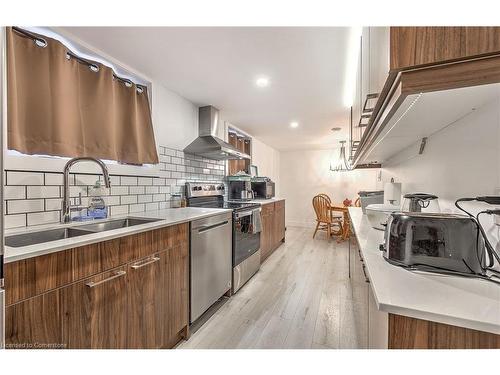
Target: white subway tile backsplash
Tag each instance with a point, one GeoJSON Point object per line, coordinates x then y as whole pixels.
{"type": "Point", "coordinates": [119, 210]}
{"type": "Point", "coordinates": [15, 221]}
{"type": "Point", "coordinates": [43, 217]}
{"type": "Point", "coordinates": [113, 200]}
{"type": "Point", "coordinates": [20, 206]}
{"type": "Point", "coordinates": [74, 191]}
{"type": "Point", "coordinates": [43, 192]}
{"type": "Point", "coordinates": [119, 190]}
{"type": "Point", "coordinates": [137, 208]}
{"type": "Point", "coordinates": [144, 198]}
{"type": "Point", "coordinates": [53, 178]}
{"type": "Point", "coordinates": [128, 180]}
{"type": "Point", "coordinates": [54, 204]}
{"type": "Point", "coordinates": [145, 181]}
{"type": "Point", "coordinates": [152, 206]}
{"type": "Point", "coordinates": [152, 189]}
{"type": "Point", "coordinates": [34, 197]}
{"type": "Point", "coordinates": [136, 190]}
{"type": "Point", "coordinates": [128, 199]}
{"type": "Point", "coordinates": [24, 178]}
{"type": "Point", "coordinates": [14, 192]}
{"type": "Point", "coordinates": [86, 179]}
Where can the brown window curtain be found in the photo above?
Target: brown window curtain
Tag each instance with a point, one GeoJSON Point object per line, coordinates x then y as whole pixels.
{"type": "Point", "coordinates": [60, 104]}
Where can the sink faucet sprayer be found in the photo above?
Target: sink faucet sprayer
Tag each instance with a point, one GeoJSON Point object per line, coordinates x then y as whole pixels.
{"type": "Point", "coordinates": [66, 205]}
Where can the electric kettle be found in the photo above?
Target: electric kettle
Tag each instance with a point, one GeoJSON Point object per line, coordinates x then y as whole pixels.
{"type": "Point", "coordinates": [420, 202]}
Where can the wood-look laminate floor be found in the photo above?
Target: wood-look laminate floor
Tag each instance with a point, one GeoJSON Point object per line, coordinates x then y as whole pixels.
{"type": "Point", "coordinates": [300, 298]}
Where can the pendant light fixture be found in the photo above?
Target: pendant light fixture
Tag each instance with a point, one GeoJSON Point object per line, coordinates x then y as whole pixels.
{"type": "Point", "coordinates": [342, 164]}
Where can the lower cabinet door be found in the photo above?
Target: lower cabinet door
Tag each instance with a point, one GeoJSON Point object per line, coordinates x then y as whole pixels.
{"type": "Point", "coordinates": [95, 311]}
{"type": "Point", "coordinates": [175, 268]}
{"type": "Point", "coordinates": [145, 293]}
{"type": "Point", "coordinates": [34, 323]}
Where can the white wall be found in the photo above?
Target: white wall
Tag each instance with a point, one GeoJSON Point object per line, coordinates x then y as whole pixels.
{"type": "Point", "coordinates": [461, 161]}
{"type": "Point", "coordinates": [305, 173]}
{"type": "Point", "coordinates": [175, 119]}
{"type": "Point", "coordinates": [267, 159]}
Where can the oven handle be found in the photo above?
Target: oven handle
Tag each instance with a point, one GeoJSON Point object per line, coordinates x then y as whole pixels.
{"type": "Point", "coordinates": [243, 214]}
{"type": "Point", "coordinates": [205, 228]}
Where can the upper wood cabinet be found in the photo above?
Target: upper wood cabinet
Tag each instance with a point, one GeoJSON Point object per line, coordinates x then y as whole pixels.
{"type": "Point", "coordinates": [436, 76]}
{"type": "Point", "coordinates": [417, 46]}
{"type": "Point", "coordinates": [243, 144]}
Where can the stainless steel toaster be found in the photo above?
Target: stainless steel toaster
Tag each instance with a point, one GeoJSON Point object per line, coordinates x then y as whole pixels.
{"type": "Point", "coordinates": [434, 242]}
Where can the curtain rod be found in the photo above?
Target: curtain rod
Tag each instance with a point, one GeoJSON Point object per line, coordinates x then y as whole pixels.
{"type": "Point", "coordinates": [41, 42]}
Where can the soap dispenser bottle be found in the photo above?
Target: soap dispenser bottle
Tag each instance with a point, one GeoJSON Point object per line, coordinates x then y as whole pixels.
{"type": "Point", "coordinates": [97, 207]}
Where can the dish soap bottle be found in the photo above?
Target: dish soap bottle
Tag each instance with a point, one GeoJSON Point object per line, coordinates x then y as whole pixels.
{"type": "Point", "coordinates": [97, 207]}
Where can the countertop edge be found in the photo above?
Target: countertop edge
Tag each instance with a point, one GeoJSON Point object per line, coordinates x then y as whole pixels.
{"type": "Point", "coordinates": [65, 244]}
{"type": "Point", "coordinates": [416, 313]}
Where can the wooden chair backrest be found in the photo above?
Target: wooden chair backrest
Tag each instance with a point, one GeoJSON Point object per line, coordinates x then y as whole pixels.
{"type": "Point", "coordinates": [357, 203]}
{"type": "Point", "coordinates": [321, 206]}
{"type": "Point", "coordinates": [326, 196]}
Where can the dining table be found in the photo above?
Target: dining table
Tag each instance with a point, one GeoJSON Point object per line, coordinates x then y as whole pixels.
{"type": "Point", "coordinates": [346, 226]}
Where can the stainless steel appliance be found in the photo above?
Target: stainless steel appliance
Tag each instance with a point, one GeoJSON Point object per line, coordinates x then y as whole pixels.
{"type": "Point", "coordinates": [415, 202]}
{"type": "Point", "coordinates": [208, 144]}
{"type": "Point", "coordinates": [245, 234]}
{"type": "Point", "coordinates": [263, 187]}
{"type": "Point", "coordinates": [442, 243]}
{"type": "Point", "coordinates": [240, 188]}
{"type": "Point", "coordinates": [210, 265]}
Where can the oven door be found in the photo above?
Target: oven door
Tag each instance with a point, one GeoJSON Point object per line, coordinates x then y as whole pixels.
{"type": "Point", "coordinates": [245, 242]}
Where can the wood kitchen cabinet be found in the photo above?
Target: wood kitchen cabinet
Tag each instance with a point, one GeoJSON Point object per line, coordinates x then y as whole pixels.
{"type": "Point", "coordinates": [273, 228]}
{"type": "Point", "coordinates": [420, 46]}
{"type": "Point", "coordinates": [94, 312]}
{"type": "Point", "coordinates": [133, 298]}
{"type": "Point", "coordinates": [243, 144]}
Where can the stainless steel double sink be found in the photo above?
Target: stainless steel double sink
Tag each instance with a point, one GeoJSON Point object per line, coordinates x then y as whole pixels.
{"type": "Point", "coordinates": [33, 238]}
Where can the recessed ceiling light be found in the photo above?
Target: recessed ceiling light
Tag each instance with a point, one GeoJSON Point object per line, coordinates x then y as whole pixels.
{"type": "Point", "coordinates": [294, 124]}
{"type": "Point", "coordinates": [262, 82]}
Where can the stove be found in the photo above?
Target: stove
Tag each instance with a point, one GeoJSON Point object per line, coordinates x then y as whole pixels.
{"type": "Point", "coordinates": [246, 227]}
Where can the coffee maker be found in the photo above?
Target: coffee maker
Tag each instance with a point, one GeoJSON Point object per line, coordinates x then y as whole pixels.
{"type": "Point", "coordinates": [240, 190]}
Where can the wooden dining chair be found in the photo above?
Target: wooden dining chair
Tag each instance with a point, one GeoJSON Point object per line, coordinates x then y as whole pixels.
{"type": "Point", "coordinates": [324, 219]}
{"type": "Point", "coordinates": [357, 203]}
{"type": "Point", "coordinates": [333, 214]}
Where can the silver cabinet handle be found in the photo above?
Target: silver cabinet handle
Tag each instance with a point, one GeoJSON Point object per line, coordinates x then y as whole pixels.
{"type": "Point", "coordinates": [204, 228]}
{"type": "Point", "coordinates": [364, 273]}
{"type": "Point", "coordinates": [145, 262]}
{"type": "Point", "coordinates": [115, 275]}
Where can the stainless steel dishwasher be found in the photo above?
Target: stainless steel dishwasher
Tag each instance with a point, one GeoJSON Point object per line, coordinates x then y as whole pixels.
{"type": "Point", "coordinates": [211, 261]}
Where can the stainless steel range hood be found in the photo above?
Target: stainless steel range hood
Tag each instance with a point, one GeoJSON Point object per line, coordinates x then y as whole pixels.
{"type": "Point", "coordinates": [207, 144]}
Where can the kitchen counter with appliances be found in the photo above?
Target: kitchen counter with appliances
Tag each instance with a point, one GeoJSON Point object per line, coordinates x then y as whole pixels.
{"type": "Point", "coordinates": [245, 232]}
{"type": "Point", "coordinates": [451, 300]}
{"type": "Point", "coordinates": [119, 227]}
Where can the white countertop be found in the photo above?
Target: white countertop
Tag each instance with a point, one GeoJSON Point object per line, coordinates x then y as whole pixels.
{"type": "Point", "coordinates": [264, 201]}
{"type": "Point", "coordinates": [167, 217]}
{"type": "Point", "coordinates": [458, 301]}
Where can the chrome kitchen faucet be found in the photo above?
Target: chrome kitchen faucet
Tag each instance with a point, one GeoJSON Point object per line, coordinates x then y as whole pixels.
{"type": "Point", "coordinates": [66, 204]}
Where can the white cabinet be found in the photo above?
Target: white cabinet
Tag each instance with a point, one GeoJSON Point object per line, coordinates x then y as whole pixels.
{"type": "Point", "coordinates": [378, 325]}
{"type": "Point", "coordinates": [372, 72]}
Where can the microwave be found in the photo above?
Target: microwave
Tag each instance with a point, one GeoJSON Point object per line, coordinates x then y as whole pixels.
{"type": "Point", "coordinates": [263, 189]}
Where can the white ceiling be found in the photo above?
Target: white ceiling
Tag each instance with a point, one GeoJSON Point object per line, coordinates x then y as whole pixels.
{"type": "Point", "coordinates": [219, 65]}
